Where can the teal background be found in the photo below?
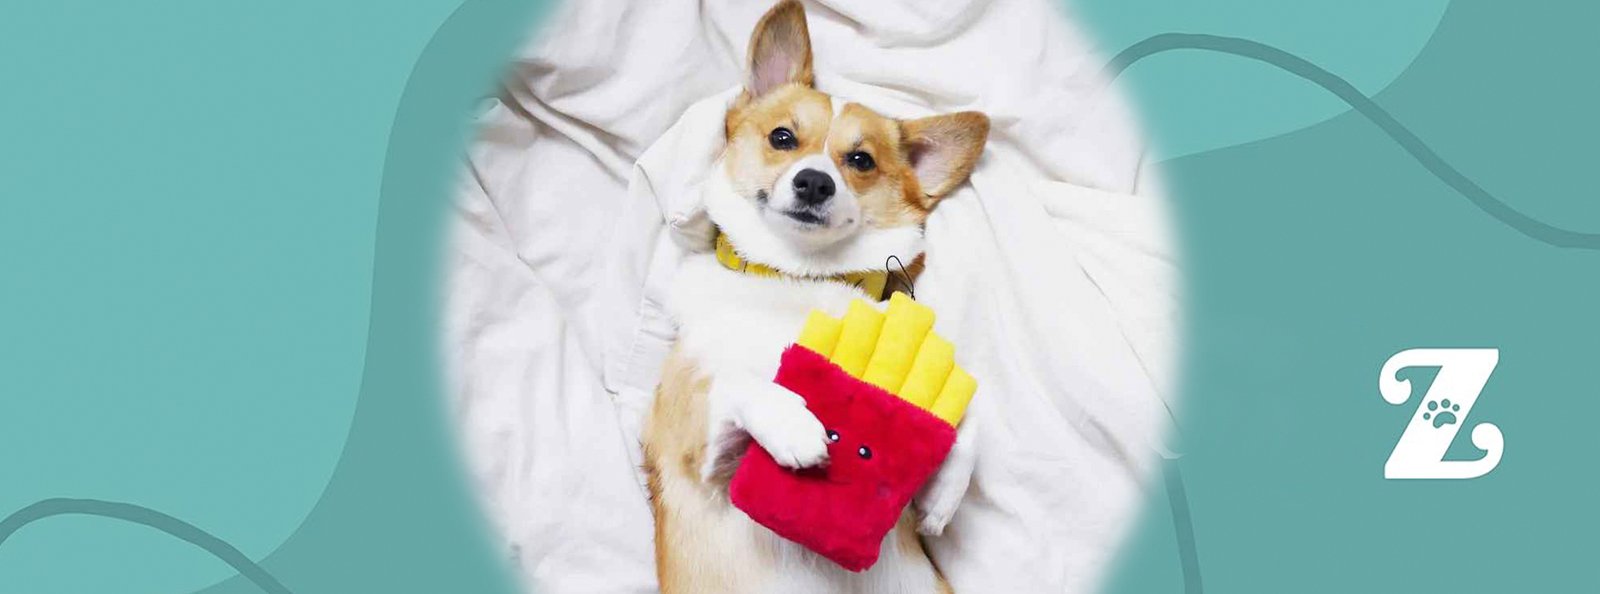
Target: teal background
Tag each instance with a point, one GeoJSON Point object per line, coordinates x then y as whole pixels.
{"type": "Point", "coordinates": [219, 256]}
{"type": "Point", "coordinates": [1314, 255]}
{"type": "Point", "coordinates": [218, 232]}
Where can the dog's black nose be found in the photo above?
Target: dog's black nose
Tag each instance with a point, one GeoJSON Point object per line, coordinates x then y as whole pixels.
{"type": "Point", "coordinates": [812, 186]}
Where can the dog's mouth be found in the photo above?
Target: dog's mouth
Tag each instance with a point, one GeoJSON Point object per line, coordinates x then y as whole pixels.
{"type": "Point", "coordinates": [806, 216]}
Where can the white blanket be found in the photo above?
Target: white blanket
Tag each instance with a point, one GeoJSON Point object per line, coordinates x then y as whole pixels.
{"type": "Point", "coordinates": [1051, 272]}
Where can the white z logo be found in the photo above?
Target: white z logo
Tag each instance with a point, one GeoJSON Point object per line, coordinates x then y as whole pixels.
{"type": "Point", "coordinates": [1462, 375]}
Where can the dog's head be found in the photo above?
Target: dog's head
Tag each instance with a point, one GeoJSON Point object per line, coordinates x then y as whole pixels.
{"type": "Point", "coordinates": [821, 176]}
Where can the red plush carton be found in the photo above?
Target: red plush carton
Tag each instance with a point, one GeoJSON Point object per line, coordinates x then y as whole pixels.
{"type": "Point", "coordinates": [884, 446]}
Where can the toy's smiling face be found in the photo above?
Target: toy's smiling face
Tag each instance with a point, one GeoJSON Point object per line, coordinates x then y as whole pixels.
{"type": "Point", "coordinates": [878, 441]}
{"type": "Point", "coordinates": [882, 450]}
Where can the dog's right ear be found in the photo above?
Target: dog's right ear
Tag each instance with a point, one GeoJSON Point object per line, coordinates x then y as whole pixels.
{"type": "Point", "coordinates": [780, 50]}
{"type": "Point", "coordinates": [943, 150]}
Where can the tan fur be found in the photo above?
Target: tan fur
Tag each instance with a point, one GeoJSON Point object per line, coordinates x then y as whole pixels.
{"type": "Point", "coordinates": [782, 31]}
{"type": "Point", "coordinates": [889, 192]}
{"type": "Point", "coordinates": [704, 544]}
{"type": "Point", "coordinates": [963, 134]}
{"type": "Point", "coordinates": [906, 538]}
{"type": "Point", "coordinates": [750, 161]}
{"type": "Point", "coordinates": [685, 508]}
{"type": "Point", "coordinates": [892, 194]}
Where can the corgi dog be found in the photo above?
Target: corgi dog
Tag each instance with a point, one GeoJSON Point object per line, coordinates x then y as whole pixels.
{"type": "Point", "coordinates": [811, 200]}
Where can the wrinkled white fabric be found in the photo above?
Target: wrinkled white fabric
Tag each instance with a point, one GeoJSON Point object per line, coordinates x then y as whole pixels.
{"type": "Point", "coordinates": [1051, 271]}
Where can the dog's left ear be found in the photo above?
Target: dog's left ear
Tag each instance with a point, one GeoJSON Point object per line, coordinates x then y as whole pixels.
{"type": "Point", "coordinates": [780, 50]}
{"type": "Point", "coordinates": [943, 150]}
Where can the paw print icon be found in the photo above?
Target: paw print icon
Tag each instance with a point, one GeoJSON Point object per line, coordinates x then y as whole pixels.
{"type": "Point", "coordinates": [1442, 412]}
{"type": "Point", "coordinates": [1432, 427]}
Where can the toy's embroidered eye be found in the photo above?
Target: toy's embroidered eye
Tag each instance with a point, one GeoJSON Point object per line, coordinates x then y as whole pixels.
{"type": "Point", "coordinates": [833, 436]}
{"type": "Point", "coordinates": [861, 161]}
{"type": "Point", "coordinates": [865, 452]}
{"type": "Point", "coordinates": [783, 139]}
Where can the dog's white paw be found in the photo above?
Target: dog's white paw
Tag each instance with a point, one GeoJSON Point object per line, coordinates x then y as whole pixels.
{"type": "Point", "coordinates": [788, 431]}
{"type": "Point", "coordinates": [933, 523]}
{"type": "Point", "coordinates": [938, 500]}
{"type": "Point", "coordinates": [693, 230]}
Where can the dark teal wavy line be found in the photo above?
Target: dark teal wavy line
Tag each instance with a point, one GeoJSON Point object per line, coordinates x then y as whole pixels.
{"type": "Point", "coordinates": [1177, 497]}
{"type": "Point", "coordinates": [1244, 48]}
{"type": "Point", "coordinates": [145, 516]}
{"type": "Point", "coordinates": [1188, 556]}
{"type": "Point", "coordinates": [1537, 230]}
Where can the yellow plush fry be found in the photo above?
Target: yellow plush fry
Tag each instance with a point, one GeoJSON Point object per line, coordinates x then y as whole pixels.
{"type": "Point", "coordinates": [953, 399]}
{"type": "Point", "coordinates": [905, 324]}
{"type": "Point", "coordinates": [927, 376]}
{"type": "Point", "coordinates": [858, 339]}
{"type": "Point", "coordinates": [896, 350]}
{"type": "Point", "coordinates": [821, 333]}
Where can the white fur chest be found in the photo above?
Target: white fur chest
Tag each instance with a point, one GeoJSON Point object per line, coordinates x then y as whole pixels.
{"type": "Point", "coordinates": [731, 321]}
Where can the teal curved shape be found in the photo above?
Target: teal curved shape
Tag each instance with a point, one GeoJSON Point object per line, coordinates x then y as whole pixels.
{"type": "Point", "coordinates": [305, 431]}
{"type": "Point", "coordinates": [394, 516]}
{"type": "Point", "coordinates": [145, 516]}
{"type": "Point", "coordinates": [186, 199]}
{"type": "Point", "coordinates": [1429, 159]}
{"type": "Point", "coordinates": [397, 515]}
{"type": "Point", "coordinates": [1346, 92]}
{"type": "Point", "coordinates": [1312, 256]}
{"type": "Point", "coordinates": [1193, 103]}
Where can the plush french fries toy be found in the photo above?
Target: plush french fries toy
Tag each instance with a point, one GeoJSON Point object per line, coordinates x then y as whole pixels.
{"type": "Point", "coordinates": [890, 395]}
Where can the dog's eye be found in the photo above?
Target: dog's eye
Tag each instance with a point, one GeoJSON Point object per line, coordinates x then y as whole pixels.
{"type": "Point", "coordinates": [783, 139]}
{"type": "Point", "coordinates": [860, 161]}
{"type": "Point", "coordinates": [833, 436]}
{"type": "Point", "coordinates": [865, 452]}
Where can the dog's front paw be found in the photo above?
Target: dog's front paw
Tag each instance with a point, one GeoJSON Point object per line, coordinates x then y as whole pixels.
{"type": "Point", "coordinates": [940, 497]}
{"type": "Point", "coordinates": [789, 432]}
{"type": "Point", "coordinates": [693, 230]}
{"type": "Point", "coordinates": [938, 501]}
{"type": "Point", "coordinates": [933, 523]}
{"type": "Point", "coordinates": [937, 504]}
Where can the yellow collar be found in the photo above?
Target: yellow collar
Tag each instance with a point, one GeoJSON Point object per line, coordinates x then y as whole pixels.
{"type": "Point", "coordinates": [872, 282]}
